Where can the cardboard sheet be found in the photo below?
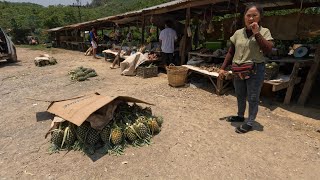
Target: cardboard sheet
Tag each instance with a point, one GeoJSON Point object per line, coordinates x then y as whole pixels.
{"type": "Point", "coordinates": [78, 109]}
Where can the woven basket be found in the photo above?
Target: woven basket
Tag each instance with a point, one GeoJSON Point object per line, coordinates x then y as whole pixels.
{"type": "Point", "coordinates": [271, 73]}
{"type": "Point", "coordinates": [147, 72]}
{"type": "Point", "coordinates": [177, 75]}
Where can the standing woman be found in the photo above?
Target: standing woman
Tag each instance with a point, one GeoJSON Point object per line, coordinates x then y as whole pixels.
{"type": "Point", "coordinates": [249, 45]}
{"type": "Point", "coordinates": [93, 41]}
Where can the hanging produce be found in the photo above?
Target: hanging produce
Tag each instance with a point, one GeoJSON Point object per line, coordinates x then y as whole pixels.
{"type": "Point", "coordinates": [210, 28]}
{"type": "Point", "coordinates": [153, 29]}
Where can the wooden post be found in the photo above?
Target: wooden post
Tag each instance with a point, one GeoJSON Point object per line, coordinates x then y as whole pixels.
{"type": "Point", "coordinates": [292, 81]}
{"type": "Point", "coordinates": [184, 44]}
{"type": "Point", "coordinates": [58, 38]}
{"type": "Point", "coordinates": [312, 75]}
{"type": "Point", "coordinates": [158, 34]}
{"type": "Point", "coordinates": [143, 29]}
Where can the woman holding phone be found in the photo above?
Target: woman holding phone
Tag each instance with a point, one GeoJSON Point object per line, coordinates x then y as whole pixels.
{"type": "Point", "coordinates": [249, 45]}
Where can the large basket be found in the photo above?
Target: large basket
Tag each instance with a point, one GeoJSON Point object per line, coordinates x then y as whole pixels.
{"type": "Point", "coordinates": [271, 73]}
{"type": "Point", "coordinates": [147, 72]}
{"type": "Point", "coordinates": [177, 75]}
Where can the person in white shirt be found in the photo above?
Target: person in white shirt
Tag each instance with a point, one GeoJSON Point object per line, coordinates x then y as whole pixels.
{"type": "Point", "coordinates": [167, 38]}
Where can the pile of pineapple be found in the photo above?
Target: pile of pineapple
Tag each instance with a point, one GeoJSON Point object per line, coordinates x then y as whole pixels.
{"type": "Point", "coordinates": [131, 125]}
{"type": "Point", "coordinates": [81, 73]}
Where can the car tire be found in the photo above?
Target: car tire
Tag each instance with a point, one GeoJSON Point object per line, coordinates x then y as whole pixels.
{"type": "Point", "coordinates": [14, 57]}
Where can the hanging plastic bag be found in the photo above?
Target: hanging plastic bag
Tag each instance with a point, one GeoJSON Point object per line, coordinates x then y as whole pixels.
{"type": "Point", "coordinates": [189, 31]}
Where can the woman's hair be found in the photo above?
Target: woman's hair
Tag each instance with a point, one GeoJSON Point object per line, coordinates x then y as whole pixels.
{"type": "Point", "coordinates": [257, 6]}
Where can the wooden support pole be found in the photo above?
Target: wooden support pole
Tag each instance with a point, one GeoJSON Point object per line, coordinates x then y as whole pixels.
{"type": "Point", "coordinates": [143, 29]}
{"type": "Point", "coordinates": [293, 78]}
{"type": "Point", "coordinates": [312, 75]}
{"type": "Point", "coordinates": [184, 44]}
{"type": "Point", "coordinates": [157, 34]}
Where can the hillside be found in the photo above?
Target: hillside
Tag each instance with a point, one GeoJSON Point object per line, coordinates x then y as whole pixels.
{"type": "Point", "coordinates": [33, 16]}
{"type": "Point", "coordinates": [28, 18]}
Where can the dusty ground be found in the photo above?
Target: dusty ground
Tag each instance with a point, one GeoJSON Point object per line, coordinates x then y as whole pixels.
{"type": "Point", "coordinates": [194, 143]}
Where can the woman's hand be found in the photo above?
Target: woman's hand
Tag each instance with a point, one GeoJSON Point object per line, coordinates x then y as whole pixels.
{"type": "Point", "coordinates": [222, 73]}
{"type": "Point", "coordinates": [254, 27]}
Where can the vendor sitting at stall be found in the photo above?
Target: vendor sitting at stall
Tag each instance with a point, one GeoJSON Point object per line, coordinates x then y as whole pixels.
{"type": "Point", "coordinates": [167, 38]}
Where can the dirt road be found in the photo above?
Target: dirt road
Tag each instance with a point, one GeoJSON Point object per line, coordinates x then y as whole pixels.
{"type": "Point", "coordinates": [193, 144]}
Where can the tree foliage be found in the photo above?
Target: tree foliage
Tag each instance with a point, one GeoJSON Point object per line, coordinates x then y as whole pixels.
{"type": "Point", "coordinates": [30, 18]}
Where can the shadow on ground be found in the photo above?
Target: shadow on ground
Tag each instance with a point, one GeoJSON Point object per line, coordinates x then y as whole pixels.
{"type": "Point", "coordinates": [6, 63]}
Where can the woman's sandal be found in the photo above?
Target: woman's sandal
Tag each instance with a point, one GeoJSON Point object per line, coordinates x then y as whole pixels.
{"type": "Point", "coordinates": [244, 128]}
{"type": "Point", "coordinates": [235, 119]}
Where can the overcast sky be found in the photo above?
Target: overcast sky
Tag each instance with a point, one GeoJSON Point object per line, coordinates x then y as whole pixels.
{"type": "Point", "coordinates": [51, 2]}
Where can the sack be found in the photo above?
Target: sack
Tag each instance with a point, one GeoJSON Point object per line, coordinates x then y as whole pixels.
{"type": "Point", "coordinates": [243, 71]}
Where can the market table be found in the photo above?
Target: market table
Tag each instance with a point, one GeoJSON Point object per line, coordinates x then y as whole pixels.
{"type": "Point", "coordinates": [293, 78]}
{"type": "Point", "coordinates": [220, 84]}
{"type": "Point", "coordinates": [115, 53]}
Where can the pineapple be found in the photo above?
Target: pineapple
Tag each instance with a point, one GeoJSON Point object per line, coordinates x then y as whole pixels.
{"type": "Point", "coordinates": [130, 133]}
{"type": "Point", "coordinates": [144, 120]}
{"type": "Point", "coordinates": [141, 130]}
{"type": "Point", "coordinates": [93, 136]}
{"type": "Point", "coordinates": [81, 78]}
{"type": "Point", "coordinates": [82, 131]}
{"type": "Point", "coordinates": [57, 136]}
{"type": "Point", "coordinates": [159, 121]}
{"type": "Point", "coordinates": [147, 111]}
{"type": "Point", "coordinates": [153, 125]}
{"type": "Point", "coordinates": [105, 134]}
{"type": "Point", "coordinates": [69, 136]}
{"type": "Point", "coordinates": [116, 135]}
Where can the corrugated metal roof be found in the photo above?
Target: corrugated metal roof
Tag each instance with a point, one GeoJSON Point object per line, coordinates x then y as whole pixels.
{"type": "Point", "coordinates": [55, 29]}
{"type": "Point", "coordinates": [267, 3]}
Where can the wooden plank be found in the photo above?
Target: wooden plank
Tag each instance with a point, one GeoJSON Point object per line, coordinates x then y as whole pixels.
{"type": "Point", "coordinates": [313, 72]}
{"type": "Point", "coordinates": [277, 86]}
{"type": "Point", "coordinates": [205, 72]}
{"type": "Point", "coordinates": [292, 60]}
{"type": "Point", "coordinates": [293, 77]}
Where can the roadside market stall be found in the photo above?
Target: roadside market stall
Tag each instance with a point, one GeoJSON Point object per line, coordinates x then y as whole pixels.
{"type": "Point", "coordinates": [200, 16]}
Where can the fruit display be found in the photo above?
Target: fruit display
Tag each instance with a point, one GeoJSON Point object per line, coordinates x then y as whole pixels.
{"type": "Point", "coordinates": [131, 125]}
{"type": "Point", "coordinates": [271, 71]}
{"type": "Point", "coordinates": [213, 67]}
{"type": "Point", "coordinates": [271, 65]}
{"type": "Point", "coordinates": [82, 73]}
{"type": "Point", "coordinates": [152, 56]}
